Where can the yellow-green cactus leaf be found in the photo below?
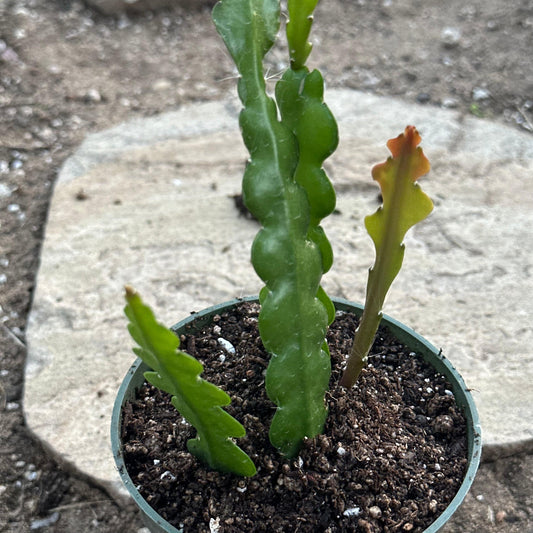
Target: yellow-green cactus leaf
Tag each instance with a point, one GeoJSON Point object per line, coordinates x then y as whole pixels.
{"type": "Point", "coordinates": [404, 205]}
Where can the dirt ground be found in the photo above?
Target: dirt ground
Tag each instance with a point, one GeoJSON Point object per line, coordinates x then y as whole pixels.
{"type": "Point", "coordinates": [66, 71]}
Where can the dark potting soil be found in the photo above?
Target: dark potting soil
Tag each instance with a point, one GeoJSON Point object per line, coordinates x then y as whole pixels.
{"type": "Point", "coordinates": [392, 456]}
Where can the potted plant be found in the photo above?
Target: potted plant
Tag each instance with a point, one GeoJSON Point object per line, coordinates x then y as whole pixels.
{"type": "Point", "coordinates": [306, 461]}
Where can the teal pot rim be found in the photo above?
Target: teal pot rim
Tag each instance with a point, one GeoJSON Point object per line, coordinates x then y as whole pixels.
{"type": "Point", "coordinates": [135, 378]}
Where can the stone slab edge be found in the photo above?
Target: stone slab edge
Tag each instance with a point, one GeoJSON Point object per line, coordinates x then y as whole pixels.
{"type": "Point", "coordinates": [189, 121]}
{"type": "Point", "coordinates": [349, 106]}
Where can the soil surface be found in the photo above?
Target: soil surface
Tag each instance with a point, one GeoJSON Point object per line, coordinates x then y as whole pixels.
{"type": "Point", "coordinates": [66, 71]}
{"type": "Point", "coordinates": [391, 466]}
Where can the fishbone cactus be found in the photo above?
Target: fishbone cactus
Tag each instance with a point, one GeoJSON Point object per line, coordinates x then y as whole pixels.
{"type": "Point", "coordinates": [286, 189]}
{"type": "Point", "coordinates": [404, 205]}
{"type": "Point", "coordinates": [198, 401]}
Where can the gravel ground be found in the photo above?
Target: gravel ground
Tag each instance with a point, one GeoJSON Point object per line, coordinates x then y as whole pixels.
{"type": "Point", "coordinates": [66, 71]}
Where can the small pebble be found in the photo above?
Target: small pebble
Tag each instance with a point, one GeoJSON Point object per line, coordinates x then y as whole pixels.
{"type": "Point", "coordinates": [449, 103]}
{"type": "Point", "coordinates": [9, 55]}
{"type": "Point", "coordinates": [352, 511]}
{"type": "Point", "coordinates": [44, 522]}
{"type": "Point", "coordinates": [447, 61]}
{"type": "Point", "coordinates": [214, 525]}
{"type": "Point", "coordinates": [374, 511]}
{"type": "Point", "coordinates": [423, 98]}
{"type": "Point", "coordinates": [168, 475]}
{"type": "Point", "coordinates": [479, 93]}
{"type": "Point", "coordinates": [450, 37]}
{"type": "Point", "coordinates": [123, 22]}
{"type": "Point", "coordinates": [31, 475]}
{"type": "Point", "coordinates": [47, 135]}
{"type": "Point", "coordinates": [226, 345]}
{"type": "Point", "coordinates": [5, 191]}
{"type": "Point", "coordinates": [162, 85]}
{"type": "Point", "coordinates": [93, 96]}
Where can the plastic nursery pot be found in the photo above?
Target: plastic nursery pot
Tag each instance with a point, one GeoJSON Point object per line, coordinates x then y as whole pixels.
{"type": "Point", "coordinates": [135, 379]}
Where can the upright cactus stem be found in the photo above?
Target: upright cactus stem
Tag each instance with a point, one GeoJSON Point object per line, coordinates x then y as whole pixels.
{"type": "Point", "coordinates": [298, 29]}
{"type": "Point", "coordinates": [286, 189]}
{"type": "Point", "coordinates": [404, 205]}
{"type": "Point", "coordinates": [198, 401]}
